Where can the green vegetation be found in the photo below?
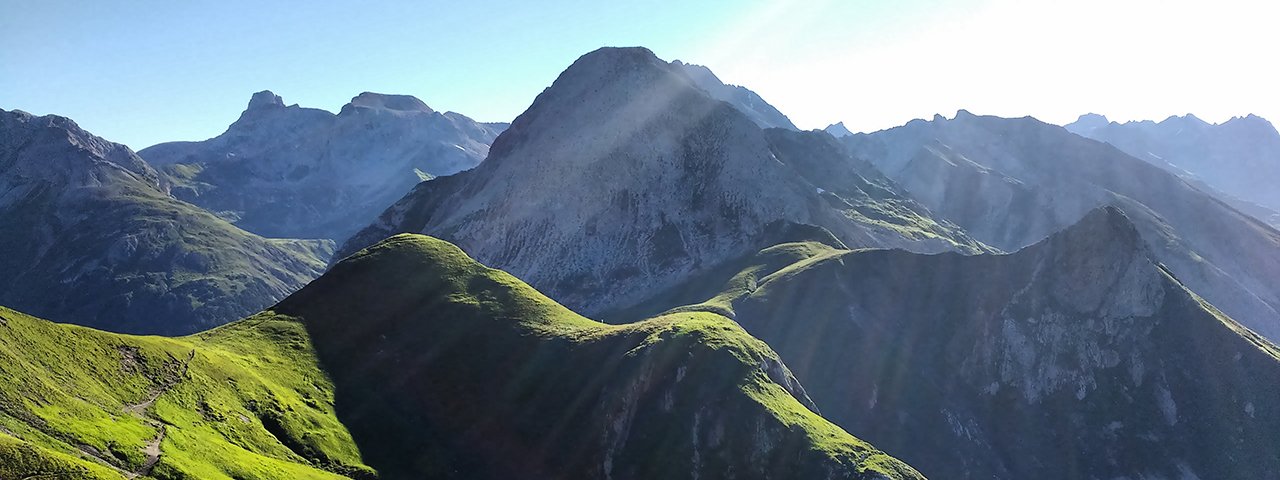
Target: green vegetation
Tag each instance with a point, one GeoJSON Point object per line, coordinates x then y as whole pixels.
{"type": "Point", "coordinates": [243, 401]}
{"type": "Point", "coordinates": [716, 290]}
{"type": "Point", "coordinates": [413, 359]}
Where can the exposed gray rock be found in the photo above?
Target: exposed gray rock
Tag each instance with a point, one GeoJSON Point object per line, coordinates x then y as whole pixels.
{"type": "Point", "coordinates": [838, 130]}
{"type": "Point", "coordinates": [306, 173]}
{"type": "Point", "coordinates": [624, 176]}
{"type": "Point", "coordinates": [746, 101]}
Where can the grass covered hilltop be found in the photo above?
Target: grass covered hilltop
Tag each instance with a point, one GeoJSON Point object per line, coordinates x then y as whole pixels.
{"type": "Point", "coordinates": [411, 360]}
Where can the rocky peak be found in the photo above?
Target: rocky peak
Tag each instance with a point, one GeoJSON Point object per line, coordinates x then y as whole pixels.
{"type": "Point", "coordinates": [1102, 267]}
{"type": "Point", "coordinates": [700, 74]}
{"type": "Point", "coordinates": [838, 130]}
{"type": "Point", "coordinates": [1102, 228]}
{"type": "Point", "coordinates": [747, 102]}
{"type": "Point", "coordinates": [264, 100]}
{"type": "Point", "coordinates": [1087, 123]}
{"type": "Point", "coordinates": [600, 94]}
{"type": "Point", "coordinates": [386, 102]}
{"type": "Point", "coordinates": [1252, 124]}
{"type": "Point", "coordinates": [53, 146]}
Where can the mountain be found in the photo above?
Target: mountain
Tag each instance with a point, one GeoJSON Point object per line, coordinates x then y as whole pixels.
{"type": "Point", "coordinates": [293, 172]}
{"type": "Point", "coordinates": [746, 101]}
{"type": "Point", "coordinates": [1011, 182]}
{"type": "Point", "coordinates": [1240, 157]}
{"type": "Point", "coordinates": [411, 360]}
{"type": "Point", "coordinates": [624, 176]}
{"type": "Point", "coordinates": [838, 130]}
{"type": "Point", "coordinates": [1077, 357]}
{"type": "Point", "coordinates": [90, 237]}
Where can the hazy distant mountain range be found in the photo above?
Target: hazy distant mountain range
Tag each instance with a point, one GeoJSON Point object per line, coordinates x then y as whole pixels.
{"type": "Point", "coordinates": [1011, 182]}
{"type": "Point", "coordinates": [980, 297]}
{"type": "Point", "coordinates": [1239, 160]}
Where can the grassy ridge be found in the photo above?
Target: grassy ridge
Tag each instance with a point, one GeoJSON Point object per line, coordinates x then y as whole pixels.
{"type": "Point", "coordinates": [470, 360]}
{"type": "Point", "coordinates": [413, 359]}
{"type": "Point", "coordinates": [242, 401]}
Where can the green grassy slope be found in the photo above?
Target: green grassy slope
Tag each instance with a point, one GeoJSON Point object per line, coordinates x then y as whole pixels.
{"type": "Point", "coordinates": [242, 401]}
{"type": "Point", "coordinates": [413, 359]}
{"type": "Point", "coordinates": [448, 369]}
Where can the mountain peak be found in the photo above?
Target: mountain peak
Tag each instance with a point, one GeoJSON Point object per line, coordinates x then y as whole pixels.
{"type": "Point", "coordinates": [1262, 125]}
{"type": "Point", "coordinates": [1103, 226]}
{"type": "Point", "coordinates": [746, 101]}
{"type": "Point", "coordinates": [1087, 123]}
{"type": "Point", "coordinates": [382, 101]}
{"type": "Point", "coordinates": [265, 99]}
{"type": "Point", "coordinates": [618, 55]}
{"type": "Point", "coordinates": [1092, 118]}
{"type": "Point", "coordinates": [838, 130]}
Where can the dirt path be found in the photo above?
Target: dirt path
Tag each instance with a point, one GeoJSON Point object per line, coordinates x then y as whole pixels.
{"type": "Point", "coordinates": [152, 449]}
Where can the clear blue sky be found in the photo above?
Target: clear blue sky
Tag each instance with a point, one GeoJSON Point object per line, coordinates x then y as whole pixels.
{"type": "Point", "coordinates": [141, 72]}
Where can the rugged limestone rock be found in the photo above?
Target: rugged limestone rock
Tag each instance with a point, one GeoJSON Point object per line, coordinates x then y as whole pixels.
{"type": "Point", "coordinates": [90, 237]}
{"type": "Point", "coordinates": [745, 101]}
{"type": "Point", "coordinates": [306, 173]}
{"type": "Point", "coordinates": [624, 176]}
{"type": "Point", "coordinates": [838, 130]}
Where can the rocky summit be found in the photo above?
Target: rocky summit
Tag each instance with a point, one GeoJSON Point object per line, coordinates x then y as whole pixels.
{"type": "Point", "coordinates": [1238, 160]}
{"type": "Point", "coordinates": [294, 172]}
{"type": "Point", "coordinates": [625, 175]}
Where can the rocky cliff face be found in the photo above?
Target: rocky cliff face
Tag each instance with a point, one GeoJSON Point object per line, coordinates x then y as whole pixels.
{"type": "Point", "coordinates": [624, 176]}
{"type": "Point", "coordinates": [838, 130]}
{"type": "Point", "coordinates": [742, 99]}
{"type": "Point", "coordinates": [1011, 182]}
{"type": "Point", "coordinates": [91, 238]}
{"type": "Point", "coordinates": [1077, 357]}
{"type": "Point", "coordinates": [293, 172]}
{"type": "Point", "coordinates": [1239, 158]}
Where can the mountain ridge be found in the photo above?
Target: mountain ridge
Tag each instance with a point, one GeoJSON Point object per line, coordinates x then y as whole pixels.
{"type": "Point", "coordinates": [410, 359]}
{"type": "Point", "coordinates": [295, 172]}
{"type": "Point", "coordinates": [91, 237]}
{"type": "Point", "coordinates": [665, 180]}
{"type": "Point", "coordinates": [958, 364]}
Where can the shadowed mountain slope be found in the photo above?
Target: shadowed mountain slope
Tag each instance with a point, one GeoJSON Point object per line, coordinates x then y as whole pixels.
{"type": "Point", "coordinates": [438, 367]}
{"type": "Point", "coordinates": [89, 237]}
{"type": "Point", "coordinates": [1077, 357]}
{"type": "Point", "coordinates": [1011, 182]}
